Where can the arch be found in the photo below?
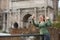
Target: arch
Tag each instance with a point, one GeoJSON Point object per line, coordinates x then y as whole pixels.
{"type": "Point", "coordinates": [25, 20]}
{"type": "Point", "coordinates": [15, 25]}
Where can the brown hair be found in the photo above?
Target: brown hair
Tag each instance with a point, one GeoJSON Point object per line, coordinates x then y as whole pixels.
{"type": "Point", "coordinates": [43, 17]}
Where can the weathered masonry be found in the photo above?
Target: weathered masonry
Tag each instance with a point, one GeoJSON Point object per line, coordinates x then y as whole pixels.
{"type": "Point", "coordinates": [20, 11]}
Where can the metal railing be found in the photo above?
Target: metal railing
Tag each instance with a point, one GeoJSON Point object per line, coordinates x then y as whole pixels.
{"type": "Point", "coordinates": [21, 37]}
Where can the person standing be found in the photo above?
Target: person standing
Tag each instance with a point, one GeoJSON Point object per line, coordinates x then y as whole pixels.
{"type": "Point", "coordinates": [42, 25]}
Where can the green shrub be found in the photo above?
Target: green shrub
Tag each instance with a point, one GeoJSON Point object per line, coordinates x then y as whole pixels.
{"type": "Point", "coordinates": [57, 25]}
{"type": "Point", "coordinates": [57, 22]}
{"type": "Point", "coordinates": [58, 18]}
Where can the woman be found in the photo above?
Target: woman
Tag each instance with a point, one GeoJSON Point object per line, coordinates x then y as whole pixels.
{"type": "Point", "coordinates": [42, 25]}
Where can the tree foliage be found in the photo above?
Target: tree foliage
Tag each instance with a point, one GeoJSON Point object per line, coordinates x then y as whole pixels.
{"type": "Point", "coordinates": [57, 22]}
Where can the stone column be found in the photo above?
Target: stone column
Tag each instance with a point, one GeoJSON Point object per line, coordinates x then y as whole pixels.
{"type": "Point", "coordinates": [19, 18]}
{"type": "Point", "coordinates": [45, 13]}
{"type": "Point", "coordinates": [51, 15]}
{"type": "Point", "coordinates": [8, 22]}
{"type": "Point", "coordinates": [3, 22]}
{"type": "Point", "coordinates": [48, 11]}
{"type": "Point", "coordinates": [36, 14]}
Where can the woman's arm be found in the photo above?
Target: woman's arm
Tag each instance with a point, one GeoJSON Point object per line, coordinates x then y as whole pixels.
{"type": "Point", "coordinates": [48, 23]}
{"type": "Point", "coordinates": [35, 23]}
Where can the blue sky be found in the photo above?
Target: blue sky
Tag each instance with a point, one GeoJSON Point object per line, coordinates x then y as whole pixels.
{"type": "Point", "coordinates": [59, 4]}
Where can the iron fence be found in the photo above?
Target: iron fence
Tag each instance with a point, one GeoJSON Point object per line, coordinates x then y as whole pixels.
{"type": "Point", "coordinates": [21, 37]}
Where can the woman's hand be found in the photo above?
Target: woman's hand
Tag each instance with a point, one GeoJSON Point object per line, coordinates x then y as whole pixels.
{"type": "Point", "coordinates": [47, 18]}
{"type": "Point", "coordinates": [33, 16]}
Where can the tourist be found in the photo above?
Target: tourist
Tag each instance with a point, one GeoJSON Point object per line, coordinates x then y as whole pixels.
{"type": "Point", "coordinates": [42, 25]}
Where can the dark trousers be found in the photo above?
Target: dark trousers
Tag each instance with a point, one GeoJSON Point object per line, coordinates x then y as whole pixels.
{"type": "Point", "coordinates": [45, 37]}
